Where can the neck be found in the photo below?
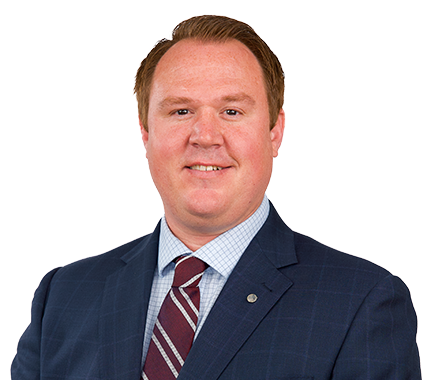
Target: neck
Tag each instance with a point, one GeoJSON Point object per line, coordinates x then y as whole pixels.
{"type": "Point", "coordinates": [194, 237]}
{"type": "Point", "coordinates": [199, 232]}
{"type": "Point", "coordinates": [191, 241]}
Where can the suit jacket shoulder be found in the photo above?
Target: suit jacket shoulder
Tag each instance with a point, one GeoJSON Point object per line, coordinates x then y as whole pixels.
{"type": "Point", "coordinates": [89, 312]}
{"type": "Point", "coordinates": [100, 265]}
{"type": "Point", "coordinates": [335, 268]}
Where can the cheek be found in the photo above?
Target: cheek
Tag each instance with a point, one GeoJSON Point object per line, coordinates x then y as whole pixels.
{"type": "Point", "coordinates": [164, 154]}
{"type": "Point", "coordinates": [160, 145]}
{"type": "Point", "coordinates": [256, 147]}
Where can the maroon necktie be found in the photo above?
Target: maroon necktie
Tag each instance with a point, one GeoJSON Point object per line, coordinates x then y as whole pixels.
{"type": "Point", "coordinates": [176, 324]}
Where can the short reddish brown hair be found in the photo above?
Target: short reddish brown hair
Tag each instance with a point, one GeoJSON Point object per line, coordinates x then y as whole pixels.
{"type": "Point", "coordinates": [214, 29]}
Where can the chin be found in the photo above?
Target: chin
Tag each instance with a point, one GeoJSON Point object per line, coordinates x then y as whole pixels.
{"type": "Point", "coordinates": [205, 202]}
{"type": "Point", "coordinates": [205, 208]}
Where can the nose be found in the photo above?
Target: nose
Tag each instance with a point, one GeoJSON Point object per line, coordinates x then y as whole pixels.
{"type": "Point", "coordinates": [206, 131]}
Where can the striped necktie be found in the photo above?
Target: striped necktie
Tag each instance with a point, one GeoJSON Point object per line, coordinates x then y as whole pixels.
{"type": "Point", "coordinates": [176, 323]}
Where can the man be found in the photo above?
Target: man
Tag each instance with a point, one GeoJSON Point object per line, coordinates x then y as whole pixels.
{"type": "Point", "coordinates": [265, 302]}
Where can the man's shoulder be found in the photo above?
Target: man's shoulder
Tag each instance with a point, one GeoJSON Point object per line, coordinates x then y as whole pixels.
{"type": "Point", "coordinates": [318, 252]}
{"type": "Point", "coordinates": [98, 267]}
{"type": "Point", "coordinates": [313, 256]}
{"type": "Point", "coordinates": [336, 267]}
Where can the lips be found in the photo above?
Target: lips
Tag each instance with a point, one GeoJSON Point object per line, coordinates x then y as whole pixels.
{"type": "Point", "coordinates": [204, 168]}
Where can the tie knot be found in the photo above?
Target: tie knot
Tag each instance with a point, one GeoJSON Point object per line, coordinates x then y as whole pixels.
{"type": "Point", "coordinates": [188, 271]}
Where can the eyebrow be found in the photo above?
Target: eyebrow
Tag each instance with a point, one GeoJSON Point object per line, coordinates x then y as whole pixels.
{"type": "Point", "coordinates": [239, 97]}
{"type": "Point", "coordinates": [232, 98]}
{"type": "Point", "coordinates": [173, 100]}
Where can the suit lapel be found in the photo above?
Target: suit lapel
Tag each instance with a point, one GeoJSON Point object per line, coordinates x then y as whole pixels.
{"type": "Point", "coordinates": [233, 318]}
{"type": "Point", "coordinates": [123, 311]}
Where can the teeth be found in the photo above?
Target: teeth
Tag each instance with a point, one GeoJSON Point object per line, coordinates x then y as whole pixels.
{"type": "Point", "coordinates": [205, 168]}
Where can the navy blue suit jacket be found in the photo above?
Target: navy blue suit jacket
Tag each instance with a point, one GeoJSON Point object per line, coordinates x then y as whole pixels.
{"type": "Point", "coordinates": [320, 314]}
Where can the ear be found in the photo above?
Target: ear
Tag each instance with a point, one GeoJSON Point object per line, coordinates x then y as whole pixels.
{"type": "Point", "coordinates": [276, 134]}
{"type": "Point", "coordinates": [145, 133]}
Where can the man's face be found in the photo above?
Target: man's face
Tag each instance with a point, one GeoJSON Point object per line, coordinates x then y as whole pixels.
{"type": "Point", "coordinates": [209, 146]}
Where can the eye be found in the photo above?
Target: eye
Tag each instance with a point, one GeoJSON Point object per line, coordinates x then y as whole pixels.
{"type": "Point", "coordinates": [182, 112]}
{"type": "Point", "coordinates": [231, 112]}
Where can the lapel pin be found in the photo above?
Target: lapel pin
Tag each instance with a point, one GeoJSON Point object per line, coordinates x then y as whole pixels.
{"type": "Point", "coordinates": [252, 298]}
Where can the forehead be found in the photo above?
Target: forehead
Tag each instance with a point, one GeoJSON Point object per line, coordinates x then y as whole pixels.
{"type": "Point", "coordinates": [213, 65]}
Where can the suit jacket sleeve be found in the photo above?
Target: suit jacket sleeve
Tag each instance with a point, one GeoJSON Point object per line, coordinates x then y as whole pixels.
{"type": "Point", "coordinates": [26, 364]}
{"type": "Point", "coordinates": [381, 342]}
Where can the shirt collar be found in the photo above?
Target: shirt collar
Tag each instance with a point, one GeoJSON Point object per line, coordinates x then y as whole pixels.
{"type": "Point", "coordinates": [223, 252]}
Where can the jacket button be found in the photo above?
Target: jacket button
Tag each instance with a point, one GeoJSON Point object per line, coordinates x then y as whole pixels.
{"type": "Point", "coordinates": [252, 298]}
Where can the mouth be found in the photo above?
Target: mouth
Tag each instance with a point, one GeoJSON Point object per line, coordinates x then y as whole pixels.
{"type": "Point", "coordinates": [204, 168]}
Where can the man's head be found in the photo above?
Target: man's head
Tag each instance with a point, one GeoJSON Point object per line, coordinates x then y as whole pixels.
{"type": "Point", "coordinates": [209, 144]}
{"type": "Point", "coordinates": [217, 29]}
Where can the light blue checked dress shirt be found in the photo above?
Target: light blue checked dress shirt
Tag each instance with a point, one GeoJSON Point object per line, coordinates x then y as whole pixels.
{"type": "Point", "coordinates": [221, 254]}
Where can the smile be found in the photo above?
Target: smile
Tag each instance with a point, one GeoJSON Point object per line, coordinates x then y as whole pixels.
{"type": "Point", "coordinates": [205, 168]}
